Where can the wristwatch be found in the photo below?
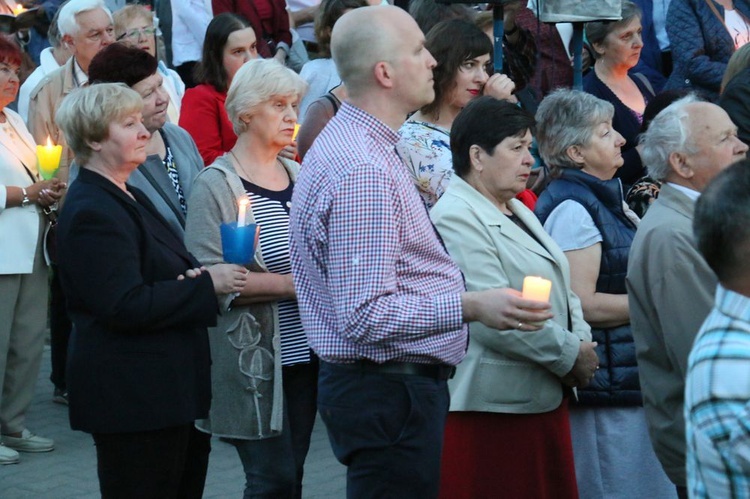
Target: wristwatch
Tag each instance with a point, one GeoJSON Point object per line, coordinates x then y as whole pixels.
{"type": "Point", "coordinates": [25, 201]}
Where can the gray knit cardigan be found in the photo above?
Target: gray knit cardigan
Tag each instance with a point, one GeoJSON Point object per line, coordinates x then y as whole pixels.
{"type": "Point", "coordinates": [247, 395]}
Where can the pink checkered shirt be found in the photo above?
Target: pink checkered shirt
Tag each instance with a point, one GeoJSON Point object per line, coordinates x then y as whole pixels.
{"type": "Point", "coordinates": [373, 280]}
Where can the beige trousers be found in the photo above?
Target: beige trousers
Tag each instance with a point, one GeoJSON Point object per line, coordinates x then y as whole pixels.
{"type": "Point", "coordinates": [23, 321]}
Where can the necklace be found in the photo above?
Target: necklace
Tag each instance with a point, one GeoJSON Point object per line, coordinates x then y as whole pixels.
{"type": "Point", "coordinates": [242, 167]}
{"type": "Point", "coordinates": [7, 128]}
{"type": "Point", "coordinates": [249, 176]}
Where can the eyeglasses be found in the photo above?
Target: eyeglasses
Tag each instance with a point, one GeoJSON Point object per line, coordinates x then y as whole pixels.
{"type": "Point", "coordinates": [134, 34]}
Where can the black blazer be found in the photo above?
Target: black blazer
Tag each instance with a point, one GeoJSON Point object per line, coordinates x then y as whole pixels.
{"type": "Point", "coordinates": [138, 356]}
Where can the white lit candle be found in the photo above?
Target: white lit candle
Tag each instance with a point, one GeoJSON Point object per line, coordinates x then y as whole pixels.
{"type": "Point", "coordinates": [536, 288]}
{"type": "Point", "coordinates": [244, 203]}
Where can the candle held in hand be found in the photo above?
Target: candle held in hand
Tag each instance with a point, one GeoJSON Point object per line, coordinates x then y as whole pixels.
{"type": "Point", "coordinates": [296, 130]}
{"type": "Point", "coordinates": [244, 203]}
{"type": "Point", "coordinates": [48, 157]}
{"type": "Point", "coordinates": [536, 288]}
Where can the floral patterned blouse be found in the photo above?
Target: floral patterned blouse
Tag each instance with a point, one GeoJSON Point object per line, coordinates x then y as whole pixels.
{"type": "Point", "coordinates": [425, 148]}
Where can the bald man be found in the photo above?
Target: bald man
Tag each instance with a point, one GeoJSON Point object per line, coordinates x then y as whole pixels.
{"type": "Point", "coordinates": [382, 303]}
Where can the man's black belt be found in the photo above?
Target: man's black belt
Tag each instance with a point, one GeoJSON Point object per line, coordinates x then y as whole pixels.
{"type": "Point", "coordinates": [434, 371]}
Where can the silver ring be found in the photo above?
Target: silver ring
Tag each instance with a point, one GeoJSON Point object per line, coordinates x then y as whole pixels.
{"type": "Point", "coordinates": [520, 325]}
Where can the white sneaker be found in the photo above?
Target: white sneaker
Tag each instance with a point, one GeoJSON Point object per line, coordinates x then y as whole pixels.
{"type": "Point", "coordinates": [28, 442]}
{"type": "Point", "coordinates": [8, 456]}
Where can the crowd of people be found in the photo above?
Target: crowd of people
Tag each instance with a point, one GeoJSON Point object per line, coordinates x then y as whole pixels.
{"type": "Point", "coordinates": [386, 251]}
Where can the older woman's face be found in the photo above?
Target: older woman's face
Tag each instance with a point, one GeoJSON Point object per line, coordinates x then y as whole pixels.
{"type": "Point", "coordinates": [469, 81]}
{"type": "Point", "coordinates": [155, 101]}
{"type": "Point", "coordinates": [125, 146]}
{"type": "Point", "coordinates": [9, 83]}
{"type": "Point", "coordinates": [505, 173]}
{"type": "Point", "coordinates": [241, 46]}
{"type": "Point", "coordinates": [602, 156]}
{"type": "Point", "coordinates": [140, 33]}
{"type": "Point", "coordinates": [272, 121]}
{"type": "Point", "coordinates": [623, 45]}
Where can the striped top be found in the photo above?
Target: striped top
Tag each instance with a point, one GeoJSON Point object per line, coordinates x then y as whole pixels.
{"type": "Point", "coordinates": [271, 213]}
{"type": "Point", "coordinates": [717, 398]}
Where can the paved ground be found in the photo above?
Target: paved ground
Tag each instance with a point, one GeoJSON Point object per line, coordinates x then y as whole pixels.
{"type": "Point", "coordinates": [70, 470]}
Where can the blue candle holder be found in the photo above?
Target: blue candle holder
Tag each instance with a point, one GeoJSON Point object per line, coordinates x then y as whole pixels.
{"type": "Point", "coordinates": [238, 243]}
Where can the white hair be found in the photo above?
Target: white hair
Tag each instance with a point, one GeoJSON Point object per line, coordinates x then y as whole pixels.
{"type": "Point", "coordinates": [256, 82]}
{"type": "Point", "coordinates": [668, 132]}
{"type": "Point", "coordinates": [66, 16]}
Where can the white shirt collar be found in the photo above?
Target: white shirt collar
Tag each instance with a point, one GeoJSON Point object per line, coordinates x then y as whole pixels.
{"type": "Point", "coordinates": [692, 194]}
{"type": "Point", "coordinates": [81, 77]}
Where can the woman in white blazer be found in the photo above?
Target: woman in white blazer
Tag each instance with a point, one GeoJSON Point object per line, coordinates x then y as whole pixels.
{"type": "Point", "coordinates": [507, 432]}
{"type": "Point", "coordinates": [23, 271]}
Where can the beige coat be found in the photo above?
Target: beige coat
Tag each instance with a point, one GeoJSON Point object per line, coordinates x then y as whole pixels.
{"type": "Point", "coordinates": [670, 290]}
{"type": "Point", "coordinates": [509, 371]}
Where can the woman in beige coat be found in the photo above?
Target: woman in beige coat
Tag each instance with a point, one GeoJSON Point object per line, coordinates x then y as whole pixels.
{"type": "Point", "coordinates": [508, 426]}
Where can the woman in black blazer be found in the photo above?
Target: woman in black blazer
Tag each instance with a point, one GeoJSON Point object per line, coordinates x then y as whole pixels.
{"type": "Point", "coordinates": [138, 365]}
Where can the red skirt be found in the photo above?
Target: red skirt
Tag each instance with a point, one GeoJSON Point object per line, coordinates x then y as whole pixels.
{"type": "Point", "coordinates": [521, 456]}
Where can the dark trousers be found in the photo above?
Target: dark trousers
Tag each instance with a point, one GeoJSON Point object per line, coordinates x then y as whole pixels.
{"type": "Point", "coordinates": [159, 464]}
{"type": "Point", "coordinates": [274, 466]}
{"type": "Point", "coordinates": [386, 428]}
{"type": "Point", "coordinates": [60, 327]}
{"type": "Point", "coordinates": [682, 492]}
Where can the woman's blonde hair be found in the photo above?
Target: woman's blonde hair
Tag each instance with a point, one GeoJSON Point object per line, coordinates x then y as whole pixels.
{"type": "Point", "coordinates": [123, 17]}
{"type": "Point", "coordinates": [739, 61]}
{"type": "Point", "coordinates": [85, 114]}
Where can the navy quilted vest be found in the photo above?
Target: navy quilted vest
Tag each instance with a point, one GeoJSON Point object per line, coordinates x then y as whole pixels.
{"type": "Point", "coordinates": [616, 383]}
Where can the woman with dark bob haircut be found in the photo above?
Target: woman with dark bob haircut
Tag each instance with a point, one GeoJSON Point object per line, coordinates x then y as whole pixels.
{"type": "Point", "coordinates": [173, 161]}
{"type": "Point", "coordinates": [462, 52]}
{"type": "Point", "coordinates": [508, 426]}
{"type": "Point", "coordinates": [230, 42]}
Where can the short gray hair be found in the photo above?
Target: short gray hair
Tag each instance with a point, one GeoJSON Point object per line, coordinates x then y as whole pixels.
{"type": "Point", "coordinates": [66, 19]}
{"type": "Point", "coordinates": [258, 81]}
{"type": "Point", "coordinates": [86, 113]}
{"type": "Point", "coordinates": [568, 118]}
{"type": "Point", "coordinates": [668, 132]}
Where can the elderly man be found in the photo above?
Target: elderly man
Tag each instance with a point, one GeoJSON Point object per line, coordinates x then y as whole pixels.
{"type": "Point", "coordinates": [381, 301]}
{"type": "Point", "coordinates": [85, 27]}
{"type": "Point", "coordinates": [717, 392]}
{"type": "Point", "coordinates": [669, 283]}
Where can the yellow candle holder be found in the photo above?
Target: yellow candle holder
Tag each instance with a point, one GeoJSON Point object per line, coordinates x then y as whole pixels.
{"type": "Point", "coordinates": [48, 158]}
